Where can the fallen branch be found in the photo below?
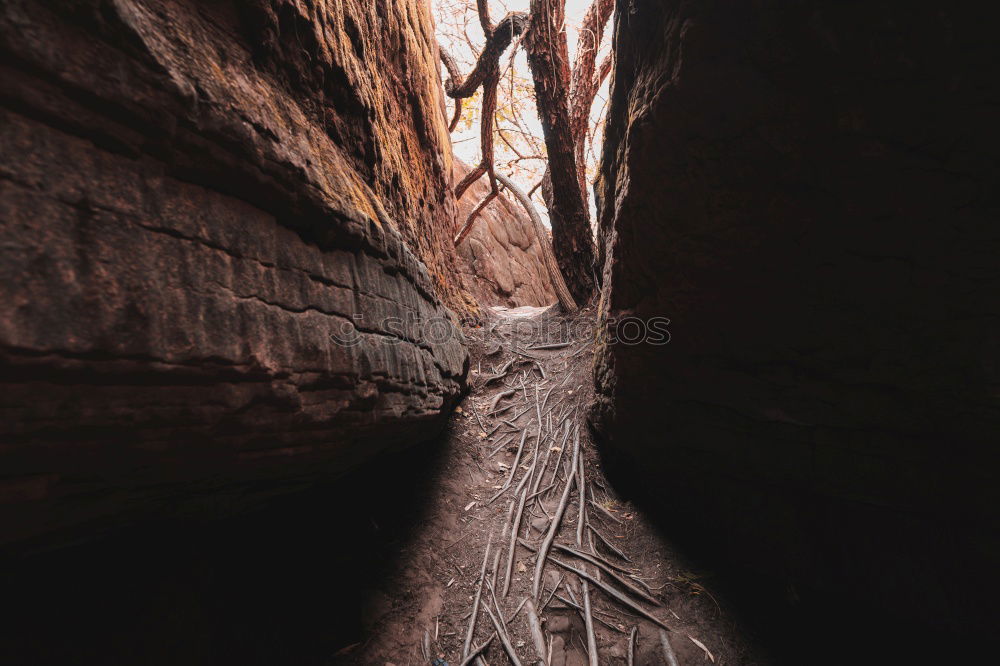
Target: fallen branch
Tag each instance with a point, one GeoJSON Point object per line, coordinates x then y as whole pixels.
{"type": "Point", "coordinates": [475, 602]}
{"type": "Point", "coordinates": [601, 564]}
{"type": "Point", "coordinates": [543, 550]}
{"type": "Point", "coordinates": [478, 650]}
{"type": "Point", "coordinates": [536, 632]}
{"type": "Point", "coordinates": [513, 468]}
{"type": "Point", "coordinates": [668, 650]}
{"type": "Point", "coordinates": [610, 546]}
{"type": "Point", "coordinates": [581, 487]}
{"type": "Point", "coordinates": [513, 543]}
{"type": "Point", "coordinates": [502, 630]}
{"type": "Point", "coordinates": [497, 398]}
{"type": "Point", "coordinates": [554, 345]}
{"type": "Point", "coordinates": [588, 620]}
{"type": "Point", "coordinates": [613, 593]}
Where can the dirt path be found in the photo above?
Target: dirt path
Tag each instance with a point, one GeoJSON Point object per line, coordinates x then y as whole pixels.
{"type": "Point", "coordinates": [508, 469]}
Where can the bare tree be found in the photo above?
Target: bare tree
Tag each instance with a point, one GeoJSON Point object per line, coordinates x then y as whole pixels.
{"type": "Point", "coordinates": [548, 55]}
{"type": "Point", "coordinates": [563, 99]}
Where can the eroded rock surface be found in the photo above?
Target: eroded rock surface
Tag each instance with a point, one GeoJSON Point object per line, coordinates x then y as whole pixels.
{"type": "Point", "coordinates": [809, 194]}
{"type": "Point", "coordinates": [502, 259]}
{"type": "Point", "coordinates": [225, 230]}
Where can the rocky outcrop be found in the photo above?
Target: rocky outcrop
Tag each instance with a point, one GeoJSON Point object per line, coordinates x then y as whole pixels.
{"type": "Point", "coordinates": [808, 192]}
{"type": "Point", "coordinates": [225, 251]}
{"type": "Point", "coordinates": [500, 257]}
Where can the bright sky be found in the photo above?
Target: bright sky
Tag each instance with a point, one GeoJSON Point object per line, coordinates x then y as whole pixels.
{"type": "Point", "coordinates": [460, 34]}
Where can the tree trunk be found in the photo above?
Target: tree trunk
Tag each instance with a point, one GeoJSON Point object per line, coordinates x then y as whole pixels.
{"type": "Point", "coordinates": [548, 57]}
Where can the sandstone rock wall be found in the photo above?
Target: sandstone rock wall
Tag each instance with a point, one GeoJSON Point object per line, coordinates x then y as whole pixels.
{"type": "Point", "coordinates": [197, 199]}
{"type": "Point", "coordinates": [809, 192]}
{"type": "Point", "coordinates": [500, 257]}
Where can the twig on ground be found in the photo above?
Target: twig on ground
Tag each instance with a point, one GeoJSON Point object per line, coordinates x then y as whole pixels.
{"type": "Point", "coordinates": [554, 590]}
{"type": "Point", "coordinates": [668, 650]}
{"type": "Point", "coordinates": [543, 550]}
{"type": "Point", "coordinates": [513, 468]}
{"type": "Point", "coordinates": [613, 593]}
{"type": "Point", "coordinates": [607, 513]}
{"type": "Point", "coordinates": [576, 606]}
{"type": "Point", "coordinates": [501, 629]}
{"type": "Point", "coordinates": [510, 618]}
{"type": "Point", "coordinates": [498, 397]}
{"type": "Point", "coordinates": [588, 620]}
{"type": "Point", "coordinates": [631, 645]}
{"type": "Point", "coordinates": [554, 345]}
{"type": "Point", "coordinates": [581, 487]}
{"type": "Point", "coordinates": [515, 528]}
{"type": "Point", "coordinates": [475, 602]}
{"type": "Point", "coordinates": [535, 626]}
{"type": "Point", "coordinates": [610, 546]}
{"type": "Point", "coordinates": [478, 650]}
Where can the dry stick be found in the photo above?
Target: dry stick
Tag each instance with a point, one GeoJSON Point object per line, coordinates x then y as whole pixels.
{"type": "Point", "coordinates": [543, 550]}
{"type": "Point", "coordinates": [631, 645]}
{"type": "Point", "coordinates": [513, 543]}
{"type": "Point", "coordinates": [600, 565]}
{"type": "Point", "coordinates": [475, 603]}
{"type": "Point", "coordinates": [668, 651]}
{"type": "Point", "coordinates": [502, 410]}
{"type": "Point", "coordinates": [513, 468]}
{"type": "Point", "coordinates": [510, 618]}
{"type": "Point", "coordinates": [541, 492]}
{"type": "Point", "coordinates": [536, 632]}
{"type": "Point", "coordinates": [500, 446]}
{"type": "Point", "coordinates": [588, 621]}
{"type": "Point", "coordinates": [613, 593]}
{"type": "Point", "coordinates": [554, 590]}
{"type": "Point", "coordinates": [478, 650]}
{"type": "Point", "coordinates": [611, 546]}
{"type": "Point", "coordinates": [541, 472]}
{"type": "Point", "coordinates": [475, 412]}
{"type": "Point", "coordinates": [534, 464]}
{"type": "Point", "coordinates": [496, 556]}
{"type": "Point", "coordinates": [593, 558]}
{"type": "Point", "coordinates": [554, 345]}
{"type": "Point", "coordinates": [581, 486]}
{"type": "Point", "coordinates": [501, 629]}
{"type": "Point", "coordinates": [546, 400]}
{"type": "Point", "coordinates": [501, 373]}
{"type": "Point", "coordinates": [498, 397]}
{"type": "Point", "coordinates": [519, 415]}
{"type": "Point", "coordinates": [579, 608]}
{"type": "Point", "coordinates": [606, 512]}
{"type": "Point", "coordinates": [562, 447]}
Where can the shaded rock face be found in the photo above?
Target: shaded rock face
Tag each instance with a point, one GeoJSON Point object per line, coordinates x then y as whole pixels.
{"type": "Point", "coordinates": [225, 251]}
{"type": "Point", "coordinates": [809, 195]}
{"type": "Point", "coordinates": [501, 258]}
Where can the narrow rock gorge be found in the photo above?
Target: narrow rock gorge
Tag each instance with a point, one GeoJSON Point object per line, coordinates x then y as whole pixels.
{"type": "Point", "coordinates": [259, 408]}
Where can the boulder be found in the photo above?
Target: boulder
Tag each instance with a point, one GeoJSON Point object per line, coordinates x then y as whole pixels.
{"type": "Point", "coordinates": [501, 258]}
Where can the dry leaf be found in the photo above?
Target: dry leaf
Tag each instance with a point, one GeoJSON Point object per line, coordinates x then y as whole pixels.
{"type": "Point", "coordinates": [702, 646]}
